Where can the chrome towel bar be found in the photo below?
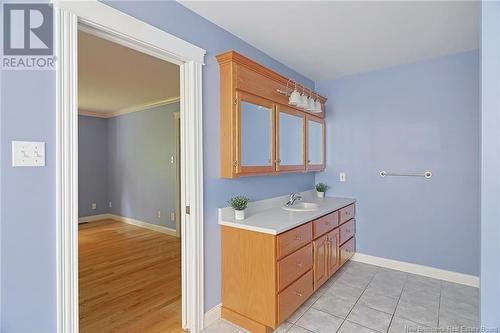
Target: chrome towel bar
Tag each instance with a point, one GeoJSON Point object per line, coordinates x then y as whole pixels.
{"type": "Point", "coordinates": [426, 174]}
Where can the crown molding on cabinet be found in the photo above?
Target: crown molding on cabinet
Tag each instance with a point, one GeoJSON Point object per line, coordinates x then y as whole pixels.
{"type": "Point", "coordinates": [249, 63]}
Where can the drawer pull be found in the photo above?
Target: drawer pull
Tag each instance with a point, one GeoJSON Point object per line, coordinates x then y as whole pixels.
{"type": "Point", "coordinates": [348, 230]}
{"type": "Point", "coordinates": [298, 293]}
{"type": "Point", "coordinates": [299, 238]}
{"type": "Point", "coordinates": [299, 264]}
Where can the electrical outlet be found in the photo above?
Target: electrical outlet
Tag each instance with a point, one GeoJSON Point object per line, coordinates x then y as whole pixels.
{"type": "Point", "coordinates": [110, 204]}
{"type": "Point", "coordinates": [159, 214]}
{"type": "Point", "coordinates": [342, 176]}
{"type": "Point", "coordinates": [94, 205]}
{"type": "Point", "coordinates": [172, 216]}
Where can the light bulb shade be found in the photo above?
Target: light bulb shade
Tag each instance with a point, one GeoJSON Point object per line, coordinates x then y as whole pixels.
{"type": "Point", "coordinates": [317, 106]}
{"type": "Point", "coordinates": [310, 104]}
{"type": "Point", "coordinates": [303, 104]}
{"type": "Point", "coordinates": [294, 98]}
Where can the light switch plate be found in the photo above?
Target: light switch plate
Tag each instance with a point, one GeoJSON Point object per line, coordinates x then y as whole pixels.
{"type": "Point", "coordinates": [28, 154]}
{"type": "Point", "coordinates": [342, 176]}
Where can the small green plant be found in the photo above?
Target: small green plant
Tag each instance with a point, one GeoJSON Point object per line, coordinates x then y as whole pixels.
{"type": "Point", "coordinates": [239, 202]}
{"type": "Point", "coordinates": [322, 187]}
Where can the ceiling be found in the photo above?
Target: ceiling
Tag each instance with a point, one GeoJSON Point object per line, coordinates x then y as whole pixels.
{"type": "Point", "coordinates": [328, 39]}
{"type": "Point", "coordinates": [115, 79]}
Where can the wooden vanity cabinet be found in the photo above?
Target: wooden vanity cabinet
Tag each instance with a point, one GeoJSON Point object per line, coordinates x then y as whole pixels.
{"type": "Point", "coordinates": [320, 246]}
{"type": "Point", "coordinates": [333, 261]}
{"type": "Point", "coordinates": [266, 278]}
{"type": "Point", "coordinates": [244, 86]}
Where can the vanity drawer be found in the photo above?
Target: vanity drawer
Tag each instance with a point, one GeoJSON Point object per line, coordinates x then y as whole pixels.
{"type": "Point", "coordinates": [346, 213]}
{"type": "Point", "coordinates": [347, 230]}
{"type": "Point", "coordinates": [292, 297]}
{"type": "Point", "coordinates": [325, 223]}
{"type": "Point", "coordinates": [293, 266]}
{"type": "Point", "coordinates": [294, 239]}
{"type": "Point", "coordinates": [347, 250]}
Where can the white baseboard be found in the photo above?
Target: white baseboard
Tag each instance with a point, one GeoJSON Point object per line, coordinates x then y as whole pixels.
{"type": "Point", "coordinates": [436, 273]}
{"type": "Point", "coordinates": [212, 315]}
{"type": "Point", "coordinates": [94, 218]}
{"type": "Point", "coordinates": [142, 224]}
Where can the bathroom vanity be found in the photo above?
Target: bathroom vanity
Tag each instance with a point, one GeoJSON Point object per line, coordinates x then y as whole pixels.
{"type": "Point", "coordinates": [276, 258]}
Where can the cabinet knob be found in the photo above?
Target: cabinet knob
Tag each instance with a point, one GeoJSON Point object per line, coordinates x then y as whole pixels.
{"type": "Point", "coordinates": [299, 264]}
{"type": "Point", "coordinates": [298, 293]}
{"type": "Point", "coordinates": [348, 230]}
{"type": "Point", "coordinates": [298, 238]}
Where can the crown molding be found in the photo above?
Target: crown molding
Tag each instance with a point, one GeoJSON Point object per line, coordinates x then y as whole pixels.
{"type": "Point", "coordinates": [240, 59]}
{"type": "Point", "coordinates": [131, 109]}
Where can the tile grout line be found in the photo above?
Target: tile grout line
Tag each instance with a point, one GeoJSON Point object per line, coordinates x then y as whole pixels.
{"type": "Point", "coordinates": [397, 303]}
{"type": "Point", "coordinates": [439, 306]}
{"type": "Point", "coordinates": [310, 306]}
{"type": "Point", "coordinates": [345, 319]}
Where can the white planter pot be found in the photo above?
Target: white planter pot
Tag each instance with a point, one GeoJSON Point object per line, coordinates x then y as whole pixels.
{"type": "Point", "coordinates": [321, 194]}
{"type": "Point", "coordinates": [239, 214]}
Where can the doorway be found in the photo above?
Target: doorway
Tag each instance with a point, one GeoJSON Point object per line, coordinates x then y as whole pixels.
{"type": "Point", "coordinates": [128, 189]}
{"type": "Point", "coordinates": [105, 22]}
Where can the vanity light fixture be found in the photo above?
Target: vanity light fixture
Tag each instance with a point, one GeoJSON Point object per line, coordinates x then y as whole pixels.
{"type": "Point", "coordinates": [311, 104]}
{"type": "Point", "coordinates": [304, 100]}
{"type": "Point", "coordinates": [294, 98]}
{"type": "Point", "coordinates": [303, 104]}
{"type": "Point", "coordinates": [317, 105]}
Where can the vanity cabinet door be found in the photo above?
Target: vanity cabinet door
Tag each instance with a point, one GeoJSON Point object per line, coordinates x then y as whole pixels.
{"type": "Point", "coordinates": [255, 135]}
{"type": "Point", "coordinates": [315, 131]}
{"type": "Point", "coordinates": [333, 251]}
{"type": "Point", "coordinates": [290, 129]}
{"type": "Point", "coordinates": [320, 268]}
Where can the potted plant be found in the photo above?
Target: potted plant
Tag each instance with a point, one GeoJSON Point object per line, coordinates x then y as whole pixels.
{"type": "Point", "coordinates": [239, 204]}
{"type": "Point", "coordinates": [321, 189]}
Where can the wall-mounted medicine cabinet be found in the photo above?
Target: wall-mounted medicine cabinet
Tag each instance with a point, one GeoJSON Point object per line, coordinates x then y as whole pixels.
{"type": "Point", "coordinates": [260, 132]}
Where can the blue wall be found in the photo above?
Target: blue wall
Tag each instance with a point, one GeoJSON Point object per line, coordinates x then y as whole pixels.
{"type": "Point", "coordinates": [417, 117]}
{"type": "Point", "coordinates": [490, 182]}
{"type": "Point", "coordinates": [180, 21]}
{"type": "Point", "coordinates": [141, 179]}
{"type": "Point", "coordinates": [92, 165]}
{"type": "Point", "coordinates": [28, 262]}
{"type": "Point", "coordinates": [126, 160]}
{"type": "Point", "coordinates": [28, 301]}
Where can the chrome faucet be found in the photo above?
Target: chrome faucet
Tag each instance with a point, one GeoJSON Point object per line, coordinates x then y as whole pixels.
{"type": "Point", "coordinates": [293, 197]}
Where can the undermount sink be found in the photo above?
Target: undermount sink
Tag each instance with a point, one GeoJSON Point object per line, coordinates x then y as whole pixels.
{"type": "Point", "coordinates": [302, 207]}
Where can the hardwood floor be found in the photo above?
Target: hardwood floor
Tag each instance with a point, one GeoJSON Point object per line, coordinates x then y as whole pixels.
{"type": "Point", "coordinates": [130, 279]}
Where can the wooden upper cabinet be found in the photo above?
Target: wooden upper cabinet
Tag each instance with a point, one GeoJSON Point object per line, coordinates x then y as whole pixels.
{"type": "Point", "coordinates": [315, 133]}
{"type": "Point", "coordinates": [273, 140]}
{"type": "Point", "coordinates": [290, 137]}
{"type": "Point", "coordinates": [255, 135]}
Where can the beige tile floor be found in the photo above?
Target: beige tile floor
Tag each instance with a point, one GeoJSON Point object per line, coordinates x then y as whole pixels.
{"type": "Point", "coordinates": [364, 298]}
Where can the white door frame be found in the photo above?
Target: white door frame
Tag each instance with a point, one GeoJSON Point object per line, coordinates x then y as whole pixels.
{"type": "Point", "coordinates": [111, 24]}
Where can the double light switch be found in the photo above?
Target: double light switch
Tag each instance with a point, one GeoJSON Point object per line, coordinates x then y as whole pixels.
{"type": "Point", "coordinates": [28, 154]}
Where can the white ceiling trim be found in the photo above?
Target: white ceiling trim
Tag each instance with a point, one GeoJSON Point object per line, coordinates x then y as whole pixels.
{"type": "Point", "coordinates": [131, 109]}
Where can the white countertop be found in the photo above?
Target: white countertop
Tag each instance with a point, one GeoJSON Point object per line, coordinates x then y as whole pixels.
{"type": "Point", "coordinates": [268, 217]}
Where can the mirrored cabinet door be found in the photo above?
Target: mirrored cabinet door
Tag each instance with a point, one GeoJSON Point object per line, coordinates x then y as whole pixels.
{"type": "Point", "coordinates": [290, 127]}
{"type": "Point", "coordinates": [315, 143]}
{"type": "Point", "coordinates": [256, 134]}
